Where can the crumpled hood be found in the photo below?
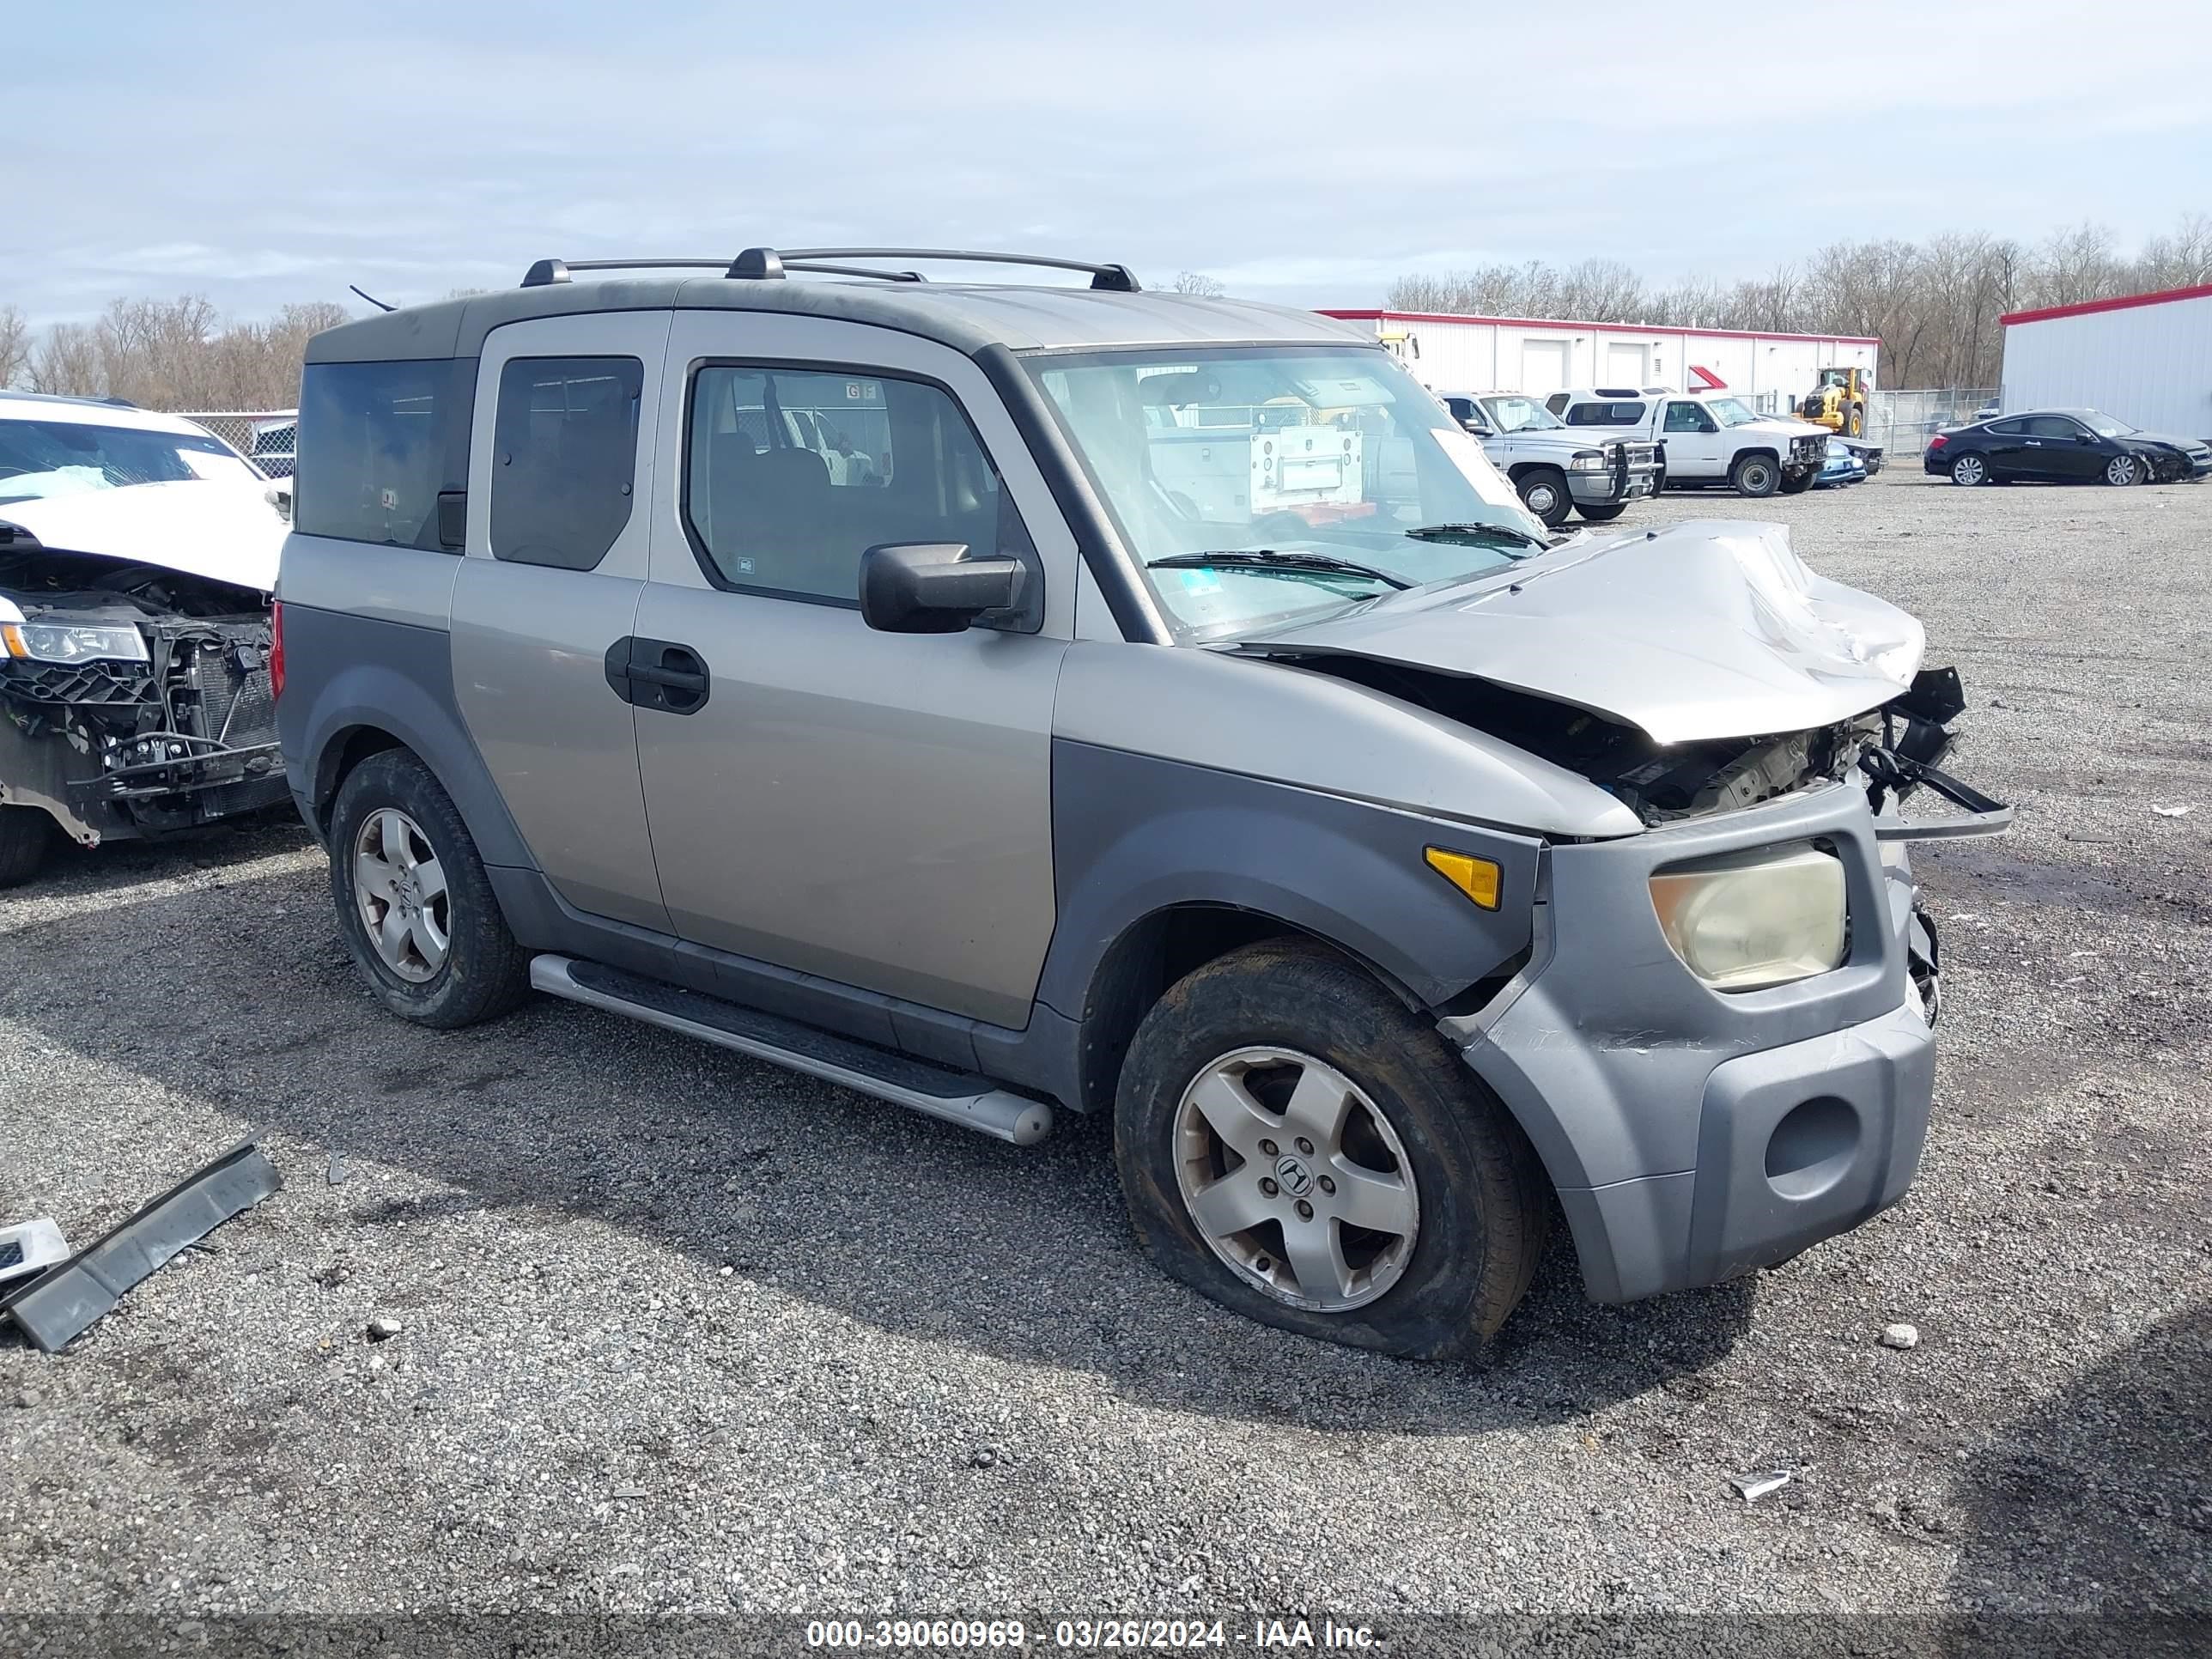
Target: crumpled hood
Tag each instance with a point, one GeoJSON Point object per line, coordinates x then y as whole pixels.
{"type": "Point", "coordinates": [220, 528]}
{"type": "Point", "coordinates": [1710, 629]}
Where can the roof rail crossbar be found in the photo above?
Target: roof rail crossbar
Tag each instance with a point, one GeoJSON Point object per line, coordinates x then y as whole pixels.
{"type": "Point", "coordinates": [822, 268]}
{"type": "Point", "coordinates": [762, 262]}
{"type": "Point", "coordinates": [547, 272]}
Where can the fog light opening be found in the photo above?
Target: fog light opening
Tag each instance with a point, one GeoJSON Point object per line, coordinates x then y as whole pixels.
{"type": "Point", "coordinates": [1812, 1147]}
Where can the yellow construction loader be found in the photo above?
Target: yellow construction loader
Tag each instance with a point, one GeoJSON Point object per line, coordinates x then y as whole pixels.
{"type": "Point", "coordinates": [1838, 402]}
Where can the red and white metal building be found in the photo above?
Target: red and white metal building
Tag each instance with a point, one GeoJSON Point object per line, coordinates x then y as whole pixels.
{"type": "Point", "coordinates": [1537, 357]}
{"type": "Point", "coordinates": [2145, 358]}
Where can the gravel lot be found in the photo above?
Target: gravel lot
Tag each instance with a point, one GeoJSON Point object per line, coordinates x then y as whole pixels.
{"type": "Point", "coordinates": [682, 1332]}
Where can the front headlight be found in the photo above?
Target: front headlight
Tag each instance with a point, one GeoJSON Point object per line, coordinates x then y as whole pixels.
{"type": "Point", "coordinates": [1754, 919]}
{"type": "Point", "coordinates": [72, 642]}
{"type": "Point", "coordinates": [1590, 460]}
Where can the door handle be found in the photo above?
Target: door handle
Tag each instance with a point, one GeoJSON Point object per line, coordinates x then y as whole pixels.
{"type": "Point", "coordinates": [658, 674]}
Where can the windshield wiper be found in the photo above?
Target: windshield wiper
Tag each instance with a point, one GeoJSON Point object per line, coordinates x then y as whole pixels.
{"type": "Point", "coordinates": [1477, 533]}
{"type": "Point", "coordinates": [1266, 558]}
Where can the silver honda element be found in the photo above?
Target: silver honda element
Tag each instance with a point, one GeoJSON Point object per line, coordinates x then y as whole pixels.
{"type": "Point", "coordinates": [1008, 699]}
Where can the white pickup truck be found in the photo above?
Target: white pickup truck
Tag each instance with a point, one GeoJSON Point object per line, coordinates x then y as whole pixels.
{"type": "Point", "coordinates": [1704, 437]}
{"type": "Point", "coordinates": [1557, 470]}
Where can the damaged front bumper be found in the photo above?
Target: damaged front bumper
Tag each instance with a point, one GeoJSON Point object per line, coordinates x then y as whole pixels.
{"type": "Point", "coordinates": [121, 751]}
{"type": "Point", "coordinates": [1695, 1135]}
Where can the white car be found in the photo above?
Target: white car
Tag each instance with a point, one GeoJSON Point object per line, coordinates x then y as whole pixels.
{"type": "Point", "coordinates": [1705, 437]}
{"type": "Point", "coordinates": [137, 555]}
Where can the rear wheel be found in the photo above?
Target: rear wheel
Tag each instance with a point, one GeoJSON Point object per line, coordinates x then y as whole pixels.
{"type": "Point", "coordinates": [1854, 422]}
{"type": "Point", "coordinates": [413, 900]}
{"type": "Point", "coordinates": [2126, 470]}
{"type": "Point", "coordinates": [1969, 471]}
{"type": "Point", "coordinates": [1756, 476]}
{"type": "Point", "coordinates": [1544, 492]}
{"type": "Point", "coordinates": [1605, 513]}
{"type": "Point", "coordinates": [27, 835]}
{"type": "Point", "coordinates": [1295, 1144]}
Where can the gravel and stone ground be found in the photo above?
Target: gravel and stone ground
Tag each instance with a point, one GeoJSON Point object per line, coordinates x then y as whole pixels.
{"type": "Point", "coordinates": [678, 1332]}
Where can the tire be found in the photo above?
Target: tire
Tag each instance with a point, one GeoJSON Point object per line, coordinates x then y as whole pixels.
{"type": "Point", "coordinates": [1800, 484]}
{"type": "Point", "coordinates": [1970, 472]}
{"type": "Point", "coordinates": [392, 815]}
{"type": "Point", "coordinates": [1604, 513]}
{"type": "Point", "coordinates": [2127, 471]}
{"type": "Point", "coordinates": [1855, 421]}
{"type": "Point", "coordinates": [1252, 1026]}
{"type": "Point", "coordinates": [27, 835]}
{"type": "Point", "coordinates": [1659, 484]}
{"type": "Point", "coordinates": [1548, 486]}
{"type": "Point", "coordinates": [1755, 476]}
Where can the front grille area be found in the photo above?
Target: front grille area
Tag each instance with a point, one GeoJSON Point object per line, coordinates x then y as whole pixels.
{"type": "Point", "coordinates": [229, 678]}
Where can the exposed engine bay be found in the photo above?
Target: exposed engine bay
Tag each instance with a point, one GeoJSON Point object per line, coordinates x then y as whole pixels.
{"type": "Point", "coordinates": [1891, 748]}
{"type": "Point", "coordinates": [134, 700]}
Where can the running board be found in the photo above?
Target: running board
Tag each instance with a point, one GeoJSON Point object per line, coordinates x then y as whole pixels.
{"type": "Point", "coordinates": [937, 1091]}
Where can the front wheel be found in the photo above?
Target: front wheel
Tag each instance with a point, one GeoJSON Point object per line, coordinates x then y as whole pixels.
{"type": "Point", "coordinates": [1756, 476]}
{"type": "Point", "coordinates": [1603, 513]}
{"type": "Point", "coordinates": [27, 835]}
{"type": "Point", "coordinates": [413, 900]}
{"type": "Point", "coordinates": [1544, 492]}
{"type": "Point", "coordinates": [1854, 422]}
{"type": "Point", "coordinates": [2126, 471]}
{"type": "Point", "coordinates": [1296, 1145]}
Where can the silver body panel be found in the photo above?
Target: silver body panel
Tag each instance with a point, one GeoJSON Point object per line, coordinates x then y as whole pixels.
{"type": "Point", "coordinates": [1709, 629]}
{"type": "Point", "coordinates": [529, 646]}
{"type": "Point", "coordinates": [381, 583]}
{"type": "Point", "coordinates": [875, 808]}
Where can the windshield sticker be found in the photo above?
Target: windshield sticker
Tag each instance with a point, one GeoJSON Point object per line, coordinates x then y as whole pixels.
{"type": "Point", "coordinates": [1200, 582]}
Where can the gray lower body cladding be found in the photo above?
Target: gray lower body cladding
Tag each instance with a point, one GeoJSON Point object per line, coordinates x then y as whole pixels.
{"type": "Point", "coordinates": [1695, 1135]}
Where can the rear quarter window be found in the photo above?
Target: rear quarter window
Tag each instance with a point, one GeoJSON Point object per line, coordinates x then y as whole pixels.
{"type": "Point", "coordinates": [1608, 413]}
{"type": "Point", "coordinates": [564, 459]}
{"type": "Point", "coordinates": [378, 443]}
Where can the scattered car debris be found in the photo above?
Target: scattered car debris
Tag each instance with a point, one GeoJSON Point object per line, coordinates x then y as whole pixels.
{"type": "Point", "coordinates": [2173, 812]}
{"type": "Point", "coordinates": [62, 1302]}
{"type": "Point", "coordinates": [339, 1171]}
{"type": "Point", "coordinates": [1757, 1485]}
{"type": "Point", "coordinates": [1900, 1336]}
{"type": "Point", "coordinates": [383, 1327]}
{"type": "Point", "coordinates": [29, 1246]}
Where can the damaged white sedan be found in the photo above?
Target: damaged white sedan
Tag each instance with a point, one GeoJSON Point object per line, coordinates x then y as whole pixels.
{"type": "Point", "coordinates": [137, 554]}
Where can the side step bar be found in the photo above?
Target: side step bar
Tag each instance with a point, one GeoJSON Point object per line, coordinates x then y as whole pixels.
{"type": "Point", "coordinates": [972, 1102]}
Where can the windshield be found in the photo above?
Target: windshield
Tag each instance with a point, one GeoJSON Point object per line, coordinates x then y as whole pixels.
{"type": "Point", "coordinates": [2104, 425]}
{"type": "Point", "coordinates": [1328, 455]}
{"type": "Point", "coordinates": [61, 458]}
{"type": "Point", "coordinates": [1523, 415]}
{"type": "Point", "coordinates": [1730, 411]}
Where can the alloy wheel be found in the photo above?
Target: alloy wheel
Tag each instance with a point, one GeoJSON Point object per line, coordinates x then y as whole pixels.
{"type": "Point", "coordinates": [1968, 469]}
{"type": "Point", "coordinates": [1295, 1179]}
{"type": "Point", "coordinates": [399, 887]}
{"type": "Point", "coordinates": [2123, 470]}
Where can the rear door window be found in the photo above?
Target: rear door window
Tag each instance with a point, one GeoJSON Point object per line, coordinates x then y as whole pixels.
{"type": "Point", "coordinates": [564, 459]}
{"type": "Point", "coordinates": [378, 443]}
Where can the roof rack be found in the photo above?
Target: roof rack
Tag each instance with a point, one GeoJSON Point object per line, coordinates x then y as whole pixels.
{"type": "Point", "coordinates": [769, 264]}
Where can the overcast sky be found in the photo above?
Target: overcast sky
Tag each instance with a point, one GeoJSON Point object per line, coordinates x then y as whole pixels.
{"type": "Point", "coordinates": [261, 153]}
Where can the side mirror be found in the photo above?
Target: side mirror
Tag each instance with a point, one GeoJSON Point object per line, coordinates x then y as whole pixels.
{"type": "Point", "coordinates": [934, 587]}
{"type": "Point", "coordinates": [1478, 429]}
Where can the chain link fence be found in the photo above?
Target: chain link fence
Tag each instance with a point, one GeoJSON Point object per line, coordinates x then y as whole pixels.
{"type": "Point", "coordinates": [265, 434]}
{"type": "Point", "coordinates": [1903, 421]}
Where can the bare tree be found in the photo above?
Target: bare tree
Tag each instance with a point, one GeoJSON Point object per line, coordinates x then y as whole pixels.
{"type": "Point", "coordinates": [14, 346]}
{"type": "Point", "coordinates": [1198, 283]}
{"type": "Point", "coordinates": [1934, 305]}
{"type": "Point", "coordinates": [179, 353]}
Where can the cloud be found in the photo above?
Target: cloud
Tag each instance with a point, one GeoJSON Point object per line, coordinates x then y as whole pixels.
{"type": "Point", "coordinates": [263, 154]}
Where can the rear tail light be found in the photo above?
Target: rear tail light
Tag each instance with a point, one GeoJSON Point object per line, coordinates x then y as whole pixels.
{"type": "Point", "coordinates": [1936, 443]}
{"type": "Point", "coordinates": [276, 649]}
